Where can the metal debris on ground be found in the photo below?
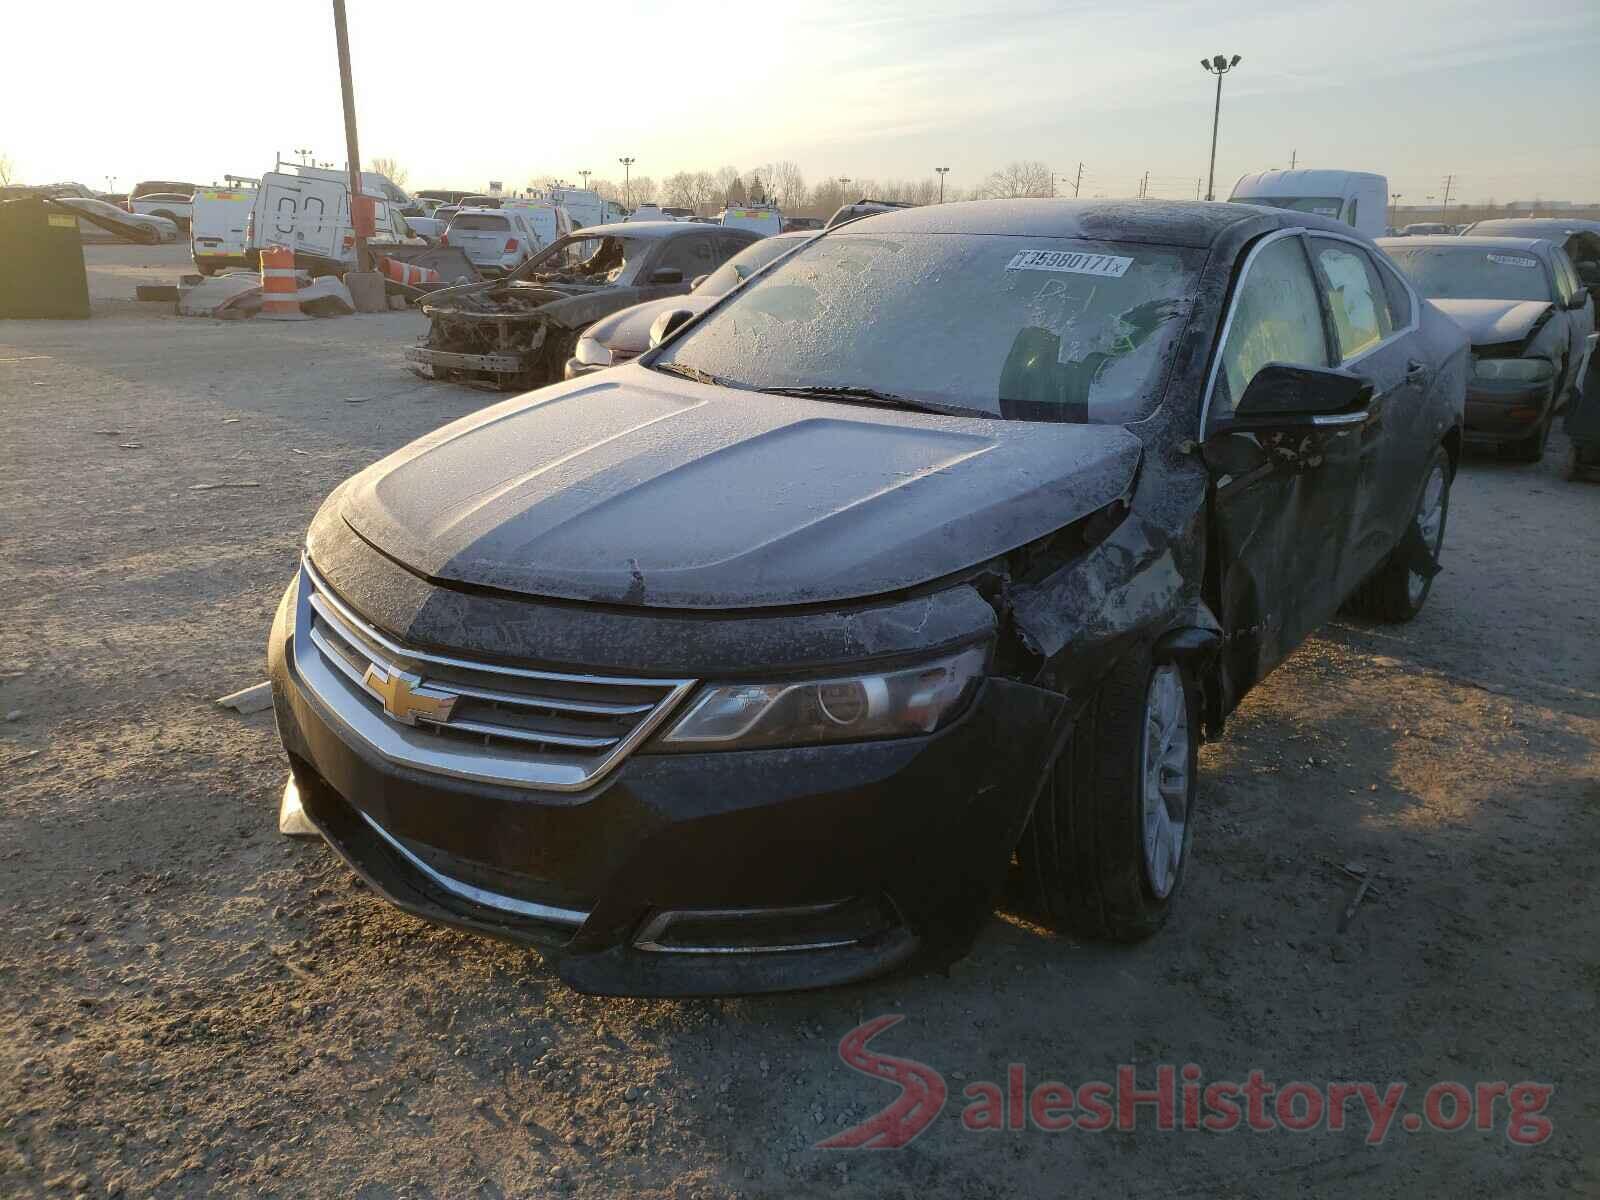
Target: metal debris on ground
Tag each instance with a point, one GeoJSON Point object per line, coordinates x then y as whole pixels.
{"type": "Point", "coordinates": [211, 487]}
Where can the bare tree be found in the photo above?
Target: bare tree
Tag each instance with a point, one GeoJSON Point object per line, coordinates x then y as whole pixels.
{"type": "Point", "coordinates": [784, 182]}
{"type": "Point", "coordinates": [1018, 179]}
{"type": "Point", "coordinates": [642, 189]}
{"type": "Point", "coordinates": [679, 190]}
{"type": "Point", "coordinates": [726, 177]}
{"type": "Point", "coordinates": [705, 192]}
{"type": "Point", "coordinates": [826, 197]}
{"type": "Point", "coordinates": [7, 169]}
{"type": "Point", "coordinates": [390, 169]}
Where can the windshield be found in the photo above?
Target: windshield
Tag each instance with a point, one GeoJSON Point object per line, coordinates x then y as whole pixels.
{"type": "Point", "coordinates": [743, 265]}
{"type": "Point", "coordinates": [469, 221]}
{"type": "Point", "coordinates": [1472, 273]}
{"type": "Point", "coordinates": [1322, 206]}
{"type": "Point", "coordinates": [578, 259]}
{"type": "Point", "coordinates": [1026, 328]}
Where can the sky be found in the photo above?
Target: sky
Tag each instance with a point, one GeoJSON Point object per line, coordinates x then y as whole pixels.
{"type": "Point", "coordinates": [509, 90]}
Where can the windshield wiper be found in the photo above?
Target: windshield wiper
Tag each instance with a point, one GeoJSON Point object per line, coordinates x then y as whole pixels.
{"type": "Point", "coordinates": [864, 395]}
{"type": "Point", "coordinates": [684, 371]}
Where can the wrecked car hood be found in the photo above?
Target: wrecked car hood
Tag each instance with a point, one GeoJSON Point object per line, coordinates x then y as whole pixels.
{"type": "Point", "coordinates": [1491, 321]}
{"type": "Point", "coordinates": [641, 489]}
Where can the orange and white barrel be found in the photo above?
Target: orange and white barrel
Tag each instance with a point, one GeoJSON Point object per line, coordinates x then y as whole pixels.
{"type": "Point", "coordinates": [409, 274]}
{"type": "Point", "coordinates": [279, 291]}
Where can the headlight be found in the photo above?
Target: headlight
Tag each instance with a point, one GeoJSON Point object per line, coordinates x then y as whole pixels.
{"type": "Point", "coordinates": [853, 708]}
{"type": "Point", "coordinates": [1513, 370]}
{"type": "Point", "coordinates": [591, 353]}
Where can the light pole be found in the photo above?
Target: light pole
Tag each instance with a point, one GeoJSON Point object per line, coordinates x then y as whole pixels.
{"type": "Point", "coordinates": [943, 171]}
{"type": "Point", "coordinates": [305, 157]}
{"type": "Point", "coordinates": [627, 166]}
{"type": "Point", "coordinates": [1218, 66]}
{"type": "Point", "coordinates": [1394, 201]}
{"type": "Point", "coordinates": [584, 175]}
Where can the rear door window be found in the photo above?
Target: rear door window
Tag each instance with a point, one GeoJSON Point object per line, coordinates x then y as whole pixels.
{"type": "Point", "coordinates": [1355, 296]}
{"type": "Point", "coordinates": [1277, 317]}
{"type": "Point", "coordinates": [480, 221]}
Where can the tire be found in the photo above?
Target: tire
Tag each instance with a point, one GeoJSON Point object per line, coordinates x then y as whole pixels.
{"type": "Point", "coordinates": [1083, 853]}
{"type": "Point", "coordinates": [1394, 593]}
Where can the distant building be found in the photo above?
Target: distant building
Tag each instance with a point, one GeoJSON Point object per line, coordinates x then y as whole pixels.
{"type": "Point", "coordinates": [1542, 204]}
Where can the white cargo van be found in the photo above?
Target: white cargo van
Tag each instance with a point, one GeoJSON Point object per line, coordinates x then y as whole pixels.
{"type": "Point", "coordinates": [583, 205]}
{"type": "Point", "coordinates": [311, 216]}
{"type": "Point", "coordinates": [217, 229]}
{"type": "Point", "coordinates": [549, 220]}
{"type": "Point", "coordinates": [1357, 198]}
{"type": "Point", "coordinates": [763, 220]}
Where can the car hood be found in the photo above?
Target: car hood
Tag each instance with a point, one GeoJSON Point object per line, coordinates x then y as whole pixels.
{"type": "Point", "coordinates": [1489, 322]}
{"type": "Point", "coordinates": [636, 488]}
{"type": "Point", "coordinates": [628, 332]}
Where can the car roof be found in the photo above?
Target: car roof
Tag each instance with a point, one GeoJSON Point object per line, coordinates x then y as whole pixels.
{"type": "Point", "coordinates": [1164, 222]}
{"type": "Point", "coordinates": [1539, 246]}
{"type": "Point", "coordinates": [639, 229]}
{"type": "Point", "coordinates": [1545, 227]}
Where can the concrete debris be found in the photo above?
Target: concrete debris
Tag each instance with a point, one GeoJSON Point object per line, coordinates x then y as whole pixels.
{"type": "Point", "coordinates": [326, 296]}
{"type": "Point", "coordinates": [206, 297]}
{"type": "Point", "coordinates": [250, 700]}
{"type": "Point", "coordinates": [156, 291]}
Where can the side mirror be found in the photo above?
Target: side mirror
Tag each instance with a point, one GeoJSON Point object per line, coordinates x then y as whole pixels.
{"type": "Point", "coordinates": [697, 281]}
{"type": "Point", "coordinates": [666, 275]}
{"type": "Point", "coordinates": [1290, 397]}
{"type": "Point", "coordinates": [1579, 299]}
{"type": "Point", "coordinates": [667, 324]}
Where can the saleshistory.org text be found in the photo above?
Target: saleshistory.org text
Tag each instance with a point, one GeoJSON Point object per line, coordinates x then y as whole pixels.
{"type": "Point", "coordinates": [1180, 1098]}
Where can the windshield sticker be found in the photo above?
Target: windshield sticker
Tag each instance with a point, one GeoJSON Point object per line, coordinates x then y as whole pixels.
{"type": "Point", "coordinates": [1512, 260]}
{"type": "Point", "coordinates": [1075, 262]}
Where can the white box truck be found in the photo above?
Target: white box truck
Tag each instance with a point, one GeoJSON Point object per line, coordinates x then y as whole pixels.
{"type": "Point", "coordinates": [1357, 198]}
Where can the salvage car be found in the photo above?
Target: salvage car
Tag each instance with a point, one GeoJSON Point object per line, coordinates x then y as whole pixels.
{"type": "Point", "coordinates": [134, 226]}
{"type": "Point", "coordinates": [1530, 320]}
{"type": "Point", "coordinates": [518, 332]}
{"type": "Point", "coordinates": [748, 665]}
{"type": "Point", "coordinates": [625, 335]}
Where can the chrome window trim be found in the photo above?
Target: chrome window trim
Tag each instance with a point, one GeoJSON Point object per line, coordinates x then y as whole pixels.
{"type": "Point", "coordinates": [466, 891]}
{"type": "Point", "coordinates": [1379, 258]}
{"type": "Point", "coordinates": [340, 696]}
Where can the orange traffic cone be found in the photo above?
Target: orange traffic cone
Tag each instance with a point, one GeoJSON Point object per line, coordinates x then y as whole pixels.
{"type": "Point", "coordinates": [280, 299]}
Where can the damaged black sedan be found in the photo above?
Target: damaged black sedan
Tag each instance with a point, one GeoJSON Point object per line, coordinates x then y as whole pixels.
{"type": "Point", "coordinates": [749, 665]}
{"type": "Point", "coordinates": [517, 332]}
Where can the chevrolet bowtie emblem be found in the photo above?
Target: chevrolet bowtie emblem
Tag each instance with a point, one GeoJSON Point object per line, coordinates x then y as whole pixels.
{"type": "Point", "coordinates": [405, 699]}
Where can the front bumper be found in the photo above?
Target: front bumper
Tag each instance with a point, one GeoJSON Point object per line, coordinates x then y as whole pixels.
{"type": "Point", "coordinates": [449, 360]}
{"type": "Point", "coordinates": [694, 874]}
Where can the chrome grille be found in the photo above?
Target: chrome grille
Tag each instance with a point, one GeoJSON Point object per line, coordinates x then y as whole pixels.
{"type": "Point", "coordinates": [473, 720]}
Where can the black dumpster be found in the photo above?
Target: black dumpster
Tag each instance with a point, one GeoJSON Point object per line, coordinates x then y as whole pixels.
{"type": "Point", "coordinates": [41, 261]}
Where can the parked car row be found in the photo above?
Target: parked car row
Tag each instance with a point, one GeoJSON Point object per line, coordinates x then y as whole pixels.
{"type": "Point", "coordinates": [749, 661]}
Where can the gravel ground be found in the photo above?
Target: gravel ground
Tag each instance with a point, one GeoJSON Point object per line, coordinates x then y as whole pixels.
{"type": "Point", "coordinates": [194, 1005]}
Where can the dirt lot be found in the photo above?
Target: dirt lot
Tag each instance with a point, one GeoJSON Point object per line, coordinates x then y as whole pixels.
{"type": "Point", "coordinates": [194, 1005]}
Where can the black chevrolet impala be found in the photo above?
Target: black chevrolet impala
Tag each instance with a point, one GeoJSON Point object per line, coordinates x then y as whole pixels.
{"type": "Point", "coordinates": [750, 664]}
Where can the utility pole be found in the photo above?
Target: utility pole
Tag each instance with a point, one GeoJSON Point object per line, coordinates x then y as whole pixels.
{"type": "Point", "coordinates": [1077, 180]}
{"type": "Point", "coordinates": [1394, 202]}
{"type": "Point", "coordinates": [943, 171]}
{"type": "Point", "coordinates": [1144, 185]}
{"type": "Point", "coordinates": [342, 34]}
{"type": "Point", "coordinates": [1449, 182]}
{"type": "Point", "coordinates": [627, 166]}
{"type": "Point", "coordinates": [1294, 157]}
{"type": "Point", "coordinates": [1218, 66]}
